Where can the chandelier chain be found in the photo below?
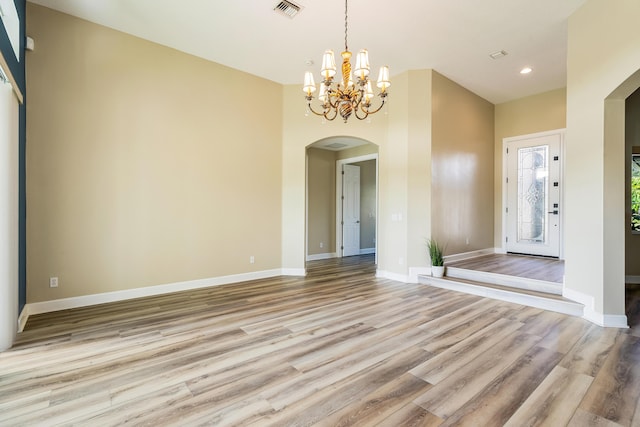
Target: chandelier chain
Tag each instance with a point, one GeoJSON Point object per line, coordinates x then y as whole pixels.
{"type": "Point", "coordinates": [345, 25]}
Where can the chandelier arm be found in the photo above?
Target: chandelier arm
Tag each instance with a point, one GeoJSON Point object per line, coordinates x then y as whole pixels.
{"type": "Point", "coordinates": [384, 99]}
{"type": "Point", "coordinates": [336, 96]}
{"type": "Point", "coordinates": [323, 113]}
{"type": "Point", "coordinates": [358, 99]}
{"type": "Point", "coordinates": [366, 114]}
{"type": "Point", "coordinates": [361, 106]}
{"type": "Point", "coordinates": [332, 117]}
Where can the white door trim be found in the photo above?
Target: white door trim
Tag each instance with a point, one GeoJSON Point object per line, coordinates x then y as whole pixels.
{"type": "Point", "coordinates": [339, 164]}
{"type": "Point", "coordinates": [505, 141]}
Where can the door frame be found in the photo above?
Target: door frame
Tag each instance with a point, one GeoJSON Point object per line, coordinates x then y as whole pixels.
{"type": "Point", "coordinates": [503, 180]}
{"type": "Point", "coordinates": [339, 164]}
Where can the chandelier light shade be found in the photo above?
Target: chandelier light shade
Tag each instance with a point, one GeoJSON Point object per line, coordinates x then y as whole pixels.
{"type": "Point", "coordinates": [347, 97]}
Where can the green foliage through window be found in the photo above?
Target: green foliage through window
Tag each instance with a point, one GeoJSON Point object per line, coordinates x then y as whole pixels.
{"type": "Point", "coordinates": [635, 193]}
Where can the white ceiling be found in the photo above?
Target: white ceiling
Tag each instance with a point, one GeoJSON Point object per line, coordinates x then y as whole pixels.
{"type": "Point", "coordinates": [454, 37]}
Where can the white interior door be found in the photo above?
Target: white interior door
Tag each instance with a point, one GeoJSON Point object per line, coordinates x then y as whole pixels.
{"type": "Point", "coordinates": [350, 210]}
{"type": "Point", "coordinates": [533, 195]}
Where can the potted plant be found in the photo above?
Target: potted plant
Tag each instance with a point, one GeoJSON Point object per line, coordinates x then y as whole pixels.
{"type": "Point", "coordinates": [436, 254]}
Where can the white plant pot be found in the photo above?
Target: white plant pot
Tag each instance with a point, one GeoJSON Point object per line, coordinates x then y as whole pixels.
{"type": "Point", "coordinates": [437, 270]}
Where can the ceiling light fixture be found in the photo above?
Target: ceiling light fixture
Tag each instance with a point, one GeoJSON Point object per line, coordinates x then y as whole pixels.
{"type": "Point", "coordinates": [499, 54]}
{"type": "Point", "coordinates": [346, 97]}
{"type": "Point", "coordinates": [526, 70]}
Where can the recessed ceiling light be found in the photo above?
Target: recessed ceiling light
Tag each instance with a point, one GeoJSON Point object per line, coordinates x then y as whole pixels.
{"type": "Point", "coordinates": [499, 54]}
{"type": "Point", "coordinates": [526, 70]}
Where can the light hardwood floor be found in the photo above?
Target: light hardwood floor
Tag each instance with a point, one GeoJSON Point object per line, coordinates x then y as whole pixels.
{"type": "Point", "coordinates": [336, 348]}
{"type": "Point", "coordinates": [530, 267]}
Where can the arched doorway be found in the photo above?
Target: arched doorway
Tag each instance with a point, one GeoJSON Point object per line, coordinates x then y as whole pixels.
{"type": "Point", "coordinates": [622, 112]}
{"type": "Point", "coordinates": [325, 199]}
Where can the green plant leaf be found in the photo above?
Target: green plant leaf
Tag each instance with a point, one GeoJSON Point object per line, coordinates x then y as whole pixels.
{"type": "Point", "coordinates": [436, 252]}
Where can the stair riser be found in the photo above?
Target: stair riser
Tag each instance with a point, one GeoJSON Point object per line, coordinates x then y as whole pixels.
{"type": "Point", "coordinates": [503, 280]}
{"type": "Point", "coordinates": [564, 307]}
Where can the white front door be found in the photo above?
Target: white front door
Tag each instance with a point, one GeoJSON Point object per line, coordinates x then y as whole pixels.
{"type": "Point", "coordinates": [533, 195]}
{"type": "Point", "coordinates": [350, 210]}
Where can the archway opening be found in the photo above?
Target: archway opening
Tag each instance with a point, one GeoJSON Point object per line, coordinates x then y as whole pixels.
{"type": "Point", "coordinates": [622, 138]}
{"type": "Point", "coordinates": [325, 198]}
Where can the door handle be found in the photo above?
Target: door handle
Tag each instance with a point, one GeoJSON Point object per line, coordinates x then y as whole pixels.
{"type": "Point", "coordinates": [555, 212]}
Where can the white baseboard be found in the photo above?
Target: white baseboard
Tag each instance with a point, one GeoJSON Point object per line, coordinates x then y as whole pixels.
{"type": "Point", "coordinates": [615, 321]}
{"type": "Point", "coordinates": [467, 255]}
{"type": "Point", "coordinates": [317, 257]}
{"type": "Point", "coordinates": [106, 297]}
{"type": "Point", "coordinates": [292, 272]}
{"type": "Point", "coordinates": [412, 277]}
{"type": "Point", "coordinates": [22, 319]}
{"type": "Point", "coordinates": [606, 320]}
{"type": "Point", "coordinates": [393, 276]}
{"type": "Point", "coordinates": [590, 314]}
{"type": "Point", "coordinates": [632, 280]}
{"type": "Point", "coordinates": [415, 271]}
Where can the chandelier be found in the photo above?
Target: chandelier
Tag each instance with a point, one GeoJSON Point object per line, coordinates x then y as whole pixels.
{"type": "Point", "coordinates": [347, 97]}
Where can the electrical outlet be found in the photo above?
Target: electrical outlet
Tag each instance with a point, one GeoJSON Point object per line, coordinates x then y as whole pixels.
{"type": "Point", "coordinates": [321, 245]}
{"type": "Point", "coordinates": [252, 259]}
{"type": "Point", "coordinates": [53, 282]}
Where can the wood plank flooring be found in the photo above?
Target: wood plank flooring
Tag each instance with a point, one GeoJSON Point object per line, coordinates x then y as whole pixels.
{"type": "Point", "coordinates": [530, 267]}
{"type": "Point", "coordinates": [337, 348]}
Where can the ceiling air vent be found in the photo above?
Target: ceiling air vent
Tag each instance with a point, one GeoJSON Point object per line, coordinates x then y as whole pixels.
{"type": "Point", "coordinates": [287, 9]}
{"type": "Point", "coordinates": [336, 145]}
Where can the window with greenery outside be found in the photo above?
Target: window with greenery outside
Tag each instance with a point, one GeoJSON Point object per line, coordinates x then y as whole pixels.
{"type": "Point", "coordinates": [635, 193]}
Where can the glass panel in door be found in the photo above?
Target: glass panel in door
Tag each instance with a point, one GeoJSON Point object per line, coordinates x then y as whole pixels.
{"type": "Point", "coordinates": [533, 173]}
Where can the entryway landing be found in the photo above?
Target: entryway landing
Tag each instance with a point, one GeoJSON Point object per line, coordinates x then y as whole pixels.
{"type": "Point", "coordinates": [528, 280]}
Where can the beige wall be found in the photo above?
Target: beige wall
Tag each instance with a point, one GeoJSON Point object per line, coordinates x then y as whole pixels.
{"type": "Point", "coordinates": [130, 154]}
{"type": "Point", "coordinates": [141, 166]}
{"type": "Point", "coordinates": [537, 113]}
{"type": "Point", "coordinates": [632, 138]}
{"type": "Point", "coordinates": [405, 175]}
{"type": "Point", "coordinates": [595, 148]}
{"type": "Point", "coordinates": [462, 168]}
{"type": "Point", "coordinates": [321, 201]}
